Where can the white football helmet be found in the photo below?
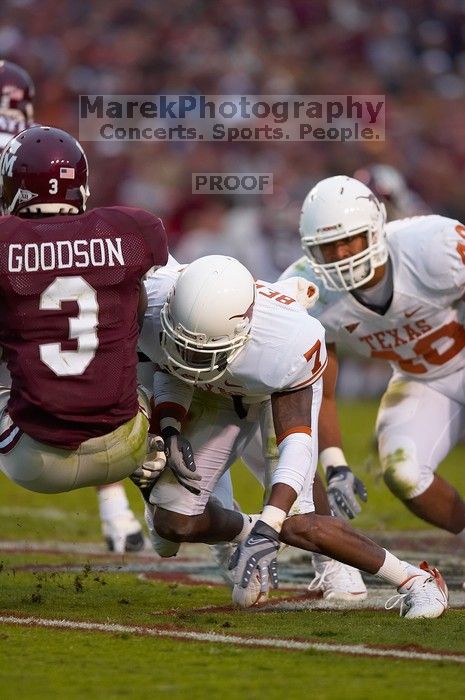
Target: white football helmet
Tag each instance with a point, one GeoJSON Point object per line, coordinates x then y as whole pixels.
{"type": "Point", "coordinates": [341, 207]}
{"type": "Point", "coordinates": [206, 319]}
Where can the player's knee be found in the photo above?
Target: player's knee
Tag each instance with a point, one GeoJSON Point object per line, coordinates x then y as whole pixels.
{"type": "Point", "coordinates": [174, 526]}
{"type": "Point", "coordinates": [401, 472]}
{"type": "Point", "coordinates": [164, 548]}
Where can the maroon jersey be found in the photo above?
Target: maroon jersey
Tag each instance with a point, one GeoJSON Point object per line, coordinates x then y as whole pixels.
{"type": "Point", "coordinates": [69, 291]}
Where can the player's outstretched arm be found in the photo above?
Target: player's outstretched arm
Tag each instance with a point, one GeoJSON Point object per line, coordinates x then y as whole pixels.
{"type": "Point", "coordinates": [172, 399]}
{"type": "Point", "coordinates": [254, 563]}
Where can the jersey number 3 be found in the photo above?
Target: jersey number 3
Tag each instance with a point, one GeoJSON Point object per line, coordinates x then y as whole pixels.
{"type": "Point", "coordinates": [82, 327]}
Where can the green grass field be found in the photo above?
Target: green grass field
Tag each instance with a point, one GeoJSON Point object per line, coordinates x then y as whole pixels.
{"type": "Point", "coordinates": [39, 662]}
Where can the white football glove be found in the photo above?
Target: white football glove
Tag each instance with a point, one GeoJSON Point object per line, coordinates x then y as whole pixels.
{"type": "Point", "coordinates": [180, 459]}
{"type": "Point", "coordinates": [343, 486]}
{"type": "Point", "coordinates": [147, 474]}
{"type": "Point", "coordinates": [253, 564]}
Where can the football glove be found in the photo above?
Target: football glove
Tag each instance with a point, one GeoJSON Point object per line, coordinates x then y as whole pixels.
{"type": "Point", "coordinates": [180, 459]}
{"type": "Point", "coordinates": [343, 487]}
{"type": "Point", "coordinates": [254, 564]}
{"type": "Point", "coordinates": [147, 474]}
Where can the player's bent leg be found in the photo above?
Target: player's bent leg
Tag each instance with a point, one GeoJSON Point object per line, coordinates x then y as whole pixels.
{"type": "Point", "coordinates": [410, 454]}
{"type": "Point", "coordinates": [102, 460]}
{"type": "Point", "coordinates": [40, 468]}
{"type": "Point", "coordinates": [424, 493]}
{"type": "Point", "coordinates": [441, 505]}
{"type": "Point", "coordinates": [215, 524]}
{"type": "Point", "coordinates": [422, 590]}
{"type": "Point", "coordinates": [163, 547]}
{"type": "Point", "coordinates": [333, 537]}
{"type": "Point", "coordinates": [400, 462]}
{"type": "Point", "coordinates": [174, 527]}
{"type": "Point", "coordinates": [45, 469]}
{"type": "Point", "coordinates": [217, 436]}
{"type": "Point", "coordinates": [333, 579]}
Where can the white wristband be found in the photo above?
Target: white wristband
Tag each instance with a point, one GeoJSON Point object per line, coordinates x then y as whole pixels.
{"type": "Point", "coordinates": [332, 457]}
{"type": "Point", "coordinates": [274, 517]}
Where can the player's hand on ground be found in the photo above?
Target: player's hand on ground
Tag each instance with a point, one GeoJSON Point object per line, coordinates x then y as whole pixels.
{"type": "Point", "coordinates": [254, 566]}
{"type": "Point", "coordinates": [180, 459]}
{"type": "Point", "coordinates": [343, 488]}
{"type": "Point", "coordinates": [147, 474]}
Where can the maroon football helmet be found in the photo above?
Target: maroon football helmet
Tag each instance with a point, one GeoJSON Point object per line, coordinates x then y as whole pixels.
{"type": "Point", "coordinates": [16, 89]}
{"type": "Point", "coordinates": [43, 170]}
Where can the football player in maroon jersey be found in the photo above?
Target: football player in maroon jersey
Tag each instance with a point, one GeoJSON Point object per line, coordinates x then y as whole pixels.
{"type": "Point", "coordinates": [16, 101]}
{"type": "Point", "coordinates": [121, 529]}
{"type": "Point", "coordinates": [71, 297]}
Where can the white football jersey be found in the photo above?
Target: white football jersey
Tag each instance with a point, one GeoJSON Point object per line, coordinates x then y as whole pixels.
{"type": "Point", "coordinates": [422, 332]}
{"type": "Point", "coordinates": [285, 349]}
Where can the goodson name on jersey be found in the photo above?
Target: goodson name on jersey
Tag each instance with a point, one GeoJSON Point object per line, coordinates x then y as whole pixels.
{"type": "Point", "coordinates": [60, 255]}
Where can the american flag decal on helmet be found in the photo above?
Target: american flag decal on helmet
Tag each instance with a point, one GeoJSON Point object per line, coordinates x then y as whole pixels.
{"type": "Point", "coordinates": [67, 173]}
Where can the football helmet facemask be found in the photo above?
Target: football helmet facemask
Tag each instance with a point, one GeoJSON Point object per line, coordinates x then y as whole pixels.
{"type": "Point", "coordinates": [207, 318]}
{"type": "Point", "coordinates": [43, 170]}
{"type": "Point", "coordinates": [341, 207]}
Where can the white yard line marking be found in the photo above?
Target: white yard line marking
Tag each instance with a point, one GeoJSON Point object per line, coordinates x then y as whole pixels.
{"type": "Point", "coordinates": [290, 644]}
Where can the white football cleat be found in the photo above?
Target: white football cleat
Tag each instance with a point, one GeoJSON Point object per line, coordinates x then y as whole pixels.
{"type": "Point", "coordinates": [421, 595]}
{"type": "Point", "coordinates": [336, 581]}
{"type": "Point", "coordinates": [123, 533]}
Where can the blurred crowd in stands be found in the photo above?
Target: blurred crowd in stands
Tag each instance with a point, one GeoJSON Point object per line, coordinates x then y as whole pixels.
{"type": "Point", "coordinates": [412, 51]}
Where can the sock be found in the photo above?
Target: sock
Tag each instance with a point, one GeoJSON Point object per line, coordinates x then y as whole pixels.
{"type": "Point", "coordinates": [396, 571]}
{"type": "Point", "coordinates": [112, 501]}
